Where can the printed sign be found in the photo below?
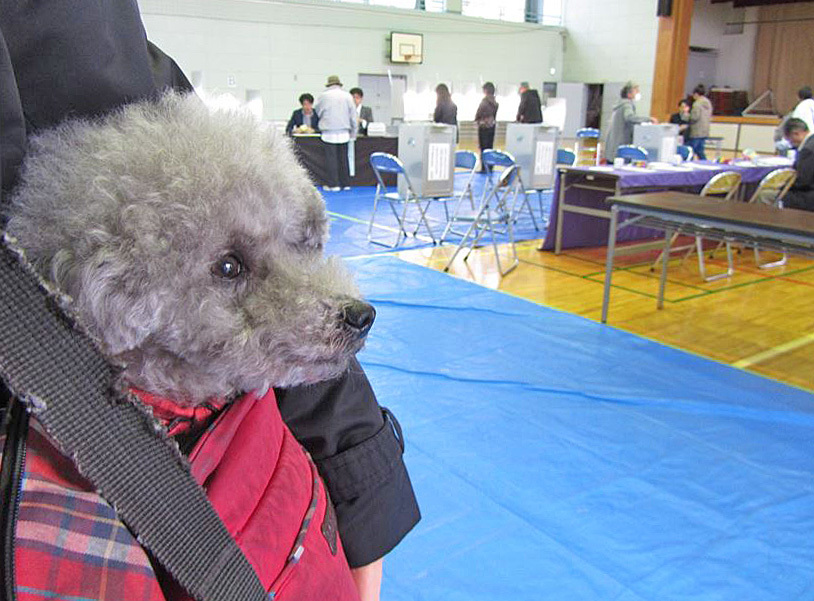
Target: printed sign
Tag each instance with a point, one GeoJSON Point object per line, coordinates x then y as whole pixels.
{"type": "Point", "coordinates": [438, 162]}
{"type": "Point", "coordinates": [544, 158]}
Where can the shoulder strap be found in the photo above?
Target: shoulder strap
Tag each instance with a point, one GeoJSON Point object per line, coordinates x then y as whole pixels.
{"type": "Point", "coordinates": [57, 371]}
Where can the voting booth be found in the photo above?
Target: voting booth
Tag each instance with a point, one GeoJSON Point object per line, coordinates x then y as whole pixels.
{"type": "Point", "coordinates": [659, 140]}
{"type": "Point", "coordinates": [534, 148]}
{"type": "Point", "coordinates": [427, 151]}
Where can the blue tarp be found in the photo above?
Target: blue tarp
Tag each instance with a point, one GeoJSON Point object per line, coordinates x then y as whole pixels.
{"type": "Point", "coordinates": [350, 214]}
{"type": "Point", "coordinates": [556, 458]}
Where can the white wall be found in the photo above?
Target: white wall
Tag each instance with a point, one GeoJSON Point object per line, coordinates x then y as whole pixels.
{"type": "Point", "coordinates": [283, 48]}
{"type": "Point", "coordinates": [735, 52]}
{"type": "Point", "coordinates": [611, 41]}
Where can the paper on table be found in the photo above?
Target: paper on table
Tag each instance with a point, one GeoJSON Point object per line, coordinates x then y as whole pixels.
{"type": "Point", "coordinates": [438, 162]}
{"type": "Point", "coordinates": [705, 167]}
{"type": "Point", "coordinates": [637, 169]}
{"type": "Point", "coordinates": [601, 168]}
{"type": "Point", "coordinates": [544, 158]}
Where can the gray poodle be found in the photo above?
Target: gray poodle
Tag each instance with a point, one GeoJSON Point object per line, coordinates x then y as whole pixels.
{"type": "Point", "coordinates": [189, 242]}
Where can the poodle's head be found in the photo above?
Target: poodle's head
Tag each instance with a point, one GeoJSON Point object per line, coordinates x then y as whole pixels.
{"type": "Point", "coordinates": [190, 244]}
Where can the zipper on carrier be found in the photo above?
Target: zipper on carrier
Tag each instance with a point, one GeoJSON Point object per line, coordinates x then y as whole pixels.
{"type": "Point", "coordinates": [15, 424]}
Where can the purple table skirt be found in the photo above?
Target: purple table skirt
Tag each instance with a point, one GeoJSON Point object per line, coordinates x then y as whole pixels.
{"type": "Point", "coordinates": [587, 230]}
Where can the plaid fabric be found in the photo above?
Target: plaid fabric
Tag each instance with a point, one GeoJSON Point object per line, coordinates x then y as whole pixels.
{"type": "Point", "coordinates": [69, 543]}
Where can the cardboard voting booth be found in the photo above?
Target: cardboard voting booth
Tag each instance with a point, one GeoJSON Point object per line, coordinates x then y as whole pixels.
{"type": "Point", "coordinates": [427, 151]}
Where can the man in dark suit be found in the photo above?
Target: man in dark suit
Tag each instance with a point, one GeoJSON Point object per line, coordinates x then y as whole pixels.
{"type": "Point", "coordinates": [801, 194]}
{"type": "Point", "coordinates": [530, 110]}
{"type": "Point", "coordinates": [364, 114]}
{"type": "Point", "coordinates": [303, 116]}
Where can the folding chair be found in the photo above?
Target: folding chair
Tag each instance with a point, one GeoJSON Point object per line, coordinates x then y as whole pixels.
{"type": "Point", "coordinates": [631, 153]}
{"type": "Point", "coordinates": [771, 190]}
{"type": "Point", "coordinates": [587, 147]}
{"type": "Point", "coordinates": [503, 160]}
{"type": "Point", "coordinates": [724, 185]}
{"type": "Point", "coordinates": [566, 157]}
{"type": "Point", "coordinates": [685, 152]}
{"type": "Point", "coordinates": [465, 163]}
{"type": "Point", "coordinates": [382, 162]}
{"type": "Point", "coordinates": [497, 209]}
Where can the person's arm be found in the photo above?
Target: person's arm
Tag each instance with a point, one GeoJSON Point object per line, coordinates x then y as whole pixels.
{"type": "Point", "coordinates": [352, 118]}
{"type": "Point", "coordinates": [357, 447]}
{"type": "Point", "coordinates": [521, 108]}
{"type": "Point", "coordinates": [289, 128]}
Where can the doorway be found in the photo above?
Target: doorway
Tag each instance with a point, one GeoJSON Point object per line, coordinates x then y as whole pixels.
{"type": "Point", "coordinates": [384, 94]}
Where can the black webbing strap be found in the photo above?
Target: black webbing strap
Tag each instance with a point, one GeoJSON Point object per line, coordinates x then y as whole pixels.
{"type": "Point", "coordinates": [58, 372]}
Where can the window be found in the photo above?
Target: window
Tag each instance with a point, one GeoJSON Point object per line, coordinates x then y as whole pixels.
{"type": "Point", "coordinates": [435, 6]}
{"type": "Point", "coordinates": [504, 10]}
{"type": "Point", "coordinates": [551, 13]}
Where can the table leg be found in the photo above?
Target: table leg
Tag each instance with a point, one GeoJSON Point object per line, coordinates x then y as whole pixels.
{"type": "Point", "coordinates": [609, 262]}
{"type": "Point", "coordinates": [560, 213]}
{"type": "Point", "coordinates": [668, 239]}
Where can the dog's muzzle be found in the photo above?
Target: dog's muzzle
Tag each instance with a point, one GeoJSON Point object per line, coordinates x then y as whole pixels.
{"type": "Point", "coordinates": [358, 317]}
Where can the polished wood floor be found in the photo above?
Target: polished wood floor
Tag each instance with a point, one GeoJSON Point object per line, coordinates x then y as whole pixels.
{"type": "Point", "coordinates": [758, 320]}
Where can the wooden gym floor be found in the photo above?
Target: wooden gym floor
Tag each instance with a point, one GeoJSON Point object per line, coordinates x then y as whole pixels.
{"type": "Point", "coordinates": [758, 320]}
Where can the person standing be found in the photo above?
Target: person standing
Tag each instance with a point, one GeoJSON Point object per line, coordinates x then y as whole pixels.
{"type": "Point", "coordinates": [446, 111]}
{"type": "Point", "coordinates": [303, 119]}
{"type": "Point", "coordinates": [805, 108]}
{"type": "Point", "coordinates": [623, 119]}
{"type": "Point", "coordinates": [337, 120]}
{"type": "Point", "coordinates": [682, 117]}
{"type": "Point", "coordinates": [486, 118]}
{"type": "Point", "coordinates": [700, 117]}
{"type": "Point", "coordinates": [801, 194]}
{"type": "Point", "coordinates": [364, 114]}
{"type": "Point", "coordinates": [530, 109]}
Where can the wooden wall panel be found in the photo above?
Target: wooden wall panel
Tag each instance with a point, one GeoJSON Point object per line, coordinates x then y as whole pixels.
{"type": "Point", "coordinates": [672, 50]}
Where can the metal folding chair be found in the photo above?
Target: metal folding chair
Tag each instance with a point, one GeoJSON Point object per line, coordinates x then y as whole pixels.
{"type": "Point", "coordinates": [685, 152]}
{"type": "Point", "coordinates": [566, 157]}
{"type": "Point", "coordinates": [631, 152]}
{"type": "Point", "coordinates": [465, 163]}
{"type": "Point", "coordinates": [382, 163]}
{"type": "Point", "coordinates": [497, 209]}
{"type": "Point", "coordinates": [497, 160]}
{"type": "Point", "coordinates": [724, 185]}
{"type": "Point", "coordinates": [771, 190]}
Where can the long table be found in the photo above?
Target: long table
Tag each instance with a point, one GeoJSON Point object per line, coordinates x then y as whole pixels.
{"type": "Point", "coordinates": [752, 224]}
{"type": "Point", "coordinates": [580, 193]}
{"type": "Point", "coordinates": [311, 152]}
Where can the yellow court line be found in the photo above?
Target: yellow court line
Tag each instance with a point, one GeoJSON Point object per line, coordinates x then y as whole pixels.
{"type": "Point", "coordinates": [774, 352]}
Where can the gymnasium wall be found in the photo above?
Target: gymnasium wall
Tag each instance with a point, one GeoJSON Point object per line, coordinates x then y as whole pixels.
{"type": "Point", "coordinates": [281, 49]}
{"type": "Point", "coordinates": [611, 42]}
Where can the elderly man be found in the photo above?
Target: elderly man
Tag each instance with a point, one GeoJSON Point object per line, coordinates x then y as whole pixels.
{"type": "Point", "coordinates": [337, 122]}
{"type": "Point", "coordinates": [530, 110]}
{"type": "Point", "coordinates": [801, 194]}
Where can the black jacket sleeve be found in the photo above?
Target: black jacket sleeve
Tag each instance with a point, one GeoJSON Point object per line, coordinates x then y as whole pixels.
{"type": "Point", "coordinates": [357, 447]}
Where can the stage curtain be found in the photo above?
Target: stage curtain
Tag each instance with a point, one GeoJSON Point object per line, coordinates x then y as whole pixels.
{"type": "Point", "coordinates": [783, 52]}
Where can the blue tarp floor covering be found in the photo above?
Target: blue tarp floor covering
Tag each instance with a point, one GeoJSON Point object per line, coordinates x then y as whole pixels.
{"type": "Point", "coordinates": [556, 458]}
{"type": "Point", "coordinates": [350, 214]}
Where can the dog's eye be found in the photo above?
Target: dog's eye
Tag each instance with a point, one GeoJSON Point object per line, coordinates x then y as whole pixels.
{"type": "Point", "coordinates": [228, 267]}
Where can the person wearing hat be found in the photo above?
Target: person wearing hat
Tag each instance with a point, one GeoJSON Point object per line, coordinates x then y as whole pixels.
{"type": "Point", "coordinates": [530, 110]}
{"type": "Point", "coordinates": [338, 125]}
{"type": "Point", "coordinates": [623, 119]}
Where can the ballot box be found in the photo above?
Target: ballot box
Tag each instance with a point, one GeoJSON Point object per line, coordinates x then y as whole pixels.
{"type": "Point", "coordinates": [660, 140]}
{"type": "Point", "coordinates": [534, 148]}
{"type": "Point", "coordinates": [427, 151]}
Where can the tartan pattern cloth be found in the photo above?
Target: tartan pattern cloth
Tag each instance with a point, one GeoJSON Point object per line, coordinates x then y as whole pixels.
{"type": "Point", "coordinates": [69, 542]}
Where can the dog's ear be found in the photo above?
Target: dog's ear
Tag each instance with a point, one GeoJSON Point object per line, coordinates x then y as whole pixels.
{"type": "Point", "coordinates": [116, 303]}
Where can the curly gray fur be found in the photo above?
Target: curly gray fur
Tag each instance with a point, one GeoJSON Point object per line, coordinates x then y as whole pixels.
{"type": "Point", "coordinates": [131, 215]}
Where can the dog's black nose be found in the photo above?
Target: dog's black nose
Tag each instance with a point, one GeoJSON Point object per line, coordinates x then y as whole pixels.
{"type": "Point", "coordinates": [359, 316]}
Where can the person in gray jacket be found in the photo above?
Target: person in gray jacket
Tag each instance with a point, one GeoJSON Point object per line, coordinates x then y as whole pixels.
{"type": "Point", "coordinates": [623, 119]}
{"type": "Point", "coordinates": [337, 122]}
{"type": "Point", "coordinates": [700, 117]}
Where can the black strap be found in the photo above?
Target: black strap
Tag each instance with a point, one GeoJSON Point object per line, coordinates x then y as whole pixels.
{"type": "Point", "coordinates": [55, 369]}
